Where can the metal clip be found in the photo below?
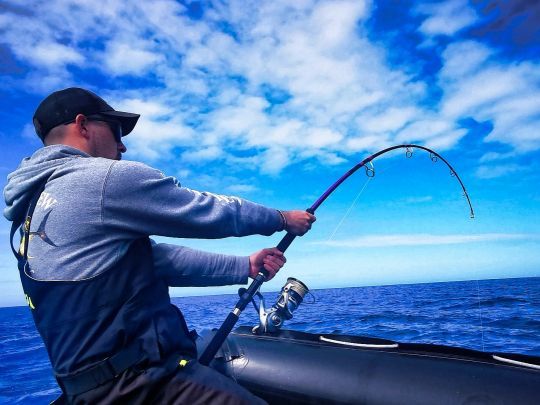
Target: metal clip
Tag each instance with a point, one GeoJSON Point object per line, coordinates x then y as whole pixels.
{"type": "Point", "coordinates": [408, 152]}
{"type": "Point", "coordinates": [370, 170]}
{"type": "Point", "coordinates": [27, 223]}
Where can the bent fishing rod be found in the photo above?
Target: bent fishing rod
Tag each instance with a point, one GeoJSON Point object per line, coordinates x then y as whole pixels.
{"type": "Point", "coordinates": [246, 296]}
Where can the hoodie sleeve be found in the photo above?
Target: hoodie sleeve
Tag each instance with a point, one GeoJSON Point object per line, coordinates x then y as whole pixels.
{"type": "Point", "coordinates": [140, 200]}
{"type": "Point", "coordinates": [180, 266]}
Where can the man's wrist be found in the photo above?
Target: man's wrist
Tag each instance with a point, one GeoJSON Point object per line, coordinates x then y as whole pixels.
{"type": "Point", "coordinates": [283, 220]}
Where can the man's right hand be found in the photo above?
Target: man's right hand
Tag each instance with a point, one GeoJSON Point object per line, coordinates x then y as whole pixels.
{"type": "Point", "coordinates": [298, 221]}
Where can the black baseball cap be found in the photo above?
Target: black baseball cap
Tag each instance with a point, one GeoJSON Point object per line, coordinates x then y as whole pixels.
{"type": "Point", "coordinates": [63, 106]}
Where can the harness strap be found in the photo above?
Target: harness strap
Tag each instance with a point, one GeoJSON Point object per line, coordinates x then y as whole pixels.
{"type": "Point", "coordinates": [104, 371]}
{"type": "Point", "coordinates": [26, 228]}
{"type": "Point", "coordinates": [14, 226]}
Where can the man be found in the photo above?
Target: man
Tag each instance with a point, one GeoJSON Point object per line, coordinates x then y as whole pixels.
{"type": "Point", "coordinates": [96, 284]}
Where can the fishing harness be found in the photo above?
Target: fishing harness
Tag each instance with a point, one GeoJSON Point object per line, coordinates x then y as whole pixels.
{"type": "Point", "coordinates": [77, 328]}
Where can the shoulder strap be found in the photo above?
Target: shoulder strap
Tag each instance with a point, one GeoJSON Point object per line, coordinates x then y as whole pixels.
{"type": "Point", "coordinates": [26, 225]}
{"type": "Point", "coordinates": [14, 226]}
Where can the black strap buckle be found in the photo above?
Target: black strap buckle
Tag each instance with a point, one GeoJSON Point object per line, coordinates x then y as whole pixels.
{"type": "Point", "coordinates": [102, 372]}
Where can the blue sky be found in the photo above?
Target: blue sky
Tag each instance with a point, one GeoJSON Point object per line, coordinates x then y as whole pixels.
{"type": "Point", "coordinates": [273, 101]}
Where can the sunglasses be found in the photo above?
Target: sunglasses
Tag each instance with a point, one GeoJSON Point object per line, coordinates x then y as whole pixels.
{"type": "Point", "coordinates": [115, 126]}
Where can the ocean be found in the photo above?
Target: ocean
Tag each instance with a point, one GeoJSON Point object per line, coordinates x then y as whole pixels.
{"type": "Point", "coordinates": [488, 315]}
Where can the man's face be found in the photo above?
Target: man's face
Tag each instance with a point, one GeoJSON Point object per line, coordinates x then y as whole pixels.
{"type": "Point", "coordinates": [106, 139]}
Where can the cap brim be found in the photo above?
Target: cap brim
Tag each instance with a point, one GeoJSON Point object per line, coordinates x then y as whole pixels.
{"type": "Point", "coordinates": [127, 120]}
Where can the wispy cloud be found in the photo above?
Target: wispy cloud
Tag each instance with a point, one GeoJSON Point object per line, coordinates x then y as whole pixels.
{"type": "Point", "coordinates": [486, 89]}
{"type": "Point", "coordinates": [446, 17]}
{"type": "Point", "coordinates": [498, 170]}
{"type": "Point", "coordinates": [242, 188]}
{"type": "Point", "coordinates": [496, 156]}
{"type": "Point", "coordinates": [424, 239]}
{"type": "Point", "coordinates": [130, 58]}
{"type": "Point", "coordinates": [414, 200]}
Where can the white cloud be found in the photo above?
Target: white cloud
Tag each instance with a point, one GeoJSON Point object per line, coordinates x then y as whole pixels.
{"type": "Point", "coordinates": [415, 200]}
{"type": "Point", "coordinates": [159, 129]}
{"type": "Point", "coordinates": [391, 119]}
{"type": "Point", "coordinates": [240, 119]}
{"type": "Point", "coordinates": [488, 90]}
{"type": "Point", "coordinates": [155, 140]}
{"type": "Point", "coordinates": [496, 156]}
{"type": "Point", "coordinates": [370, 241]}
{"type": "Point", "coordinates": [242, 188]}
{"type": "Point", "coordinates": [337, 21]}
{"type": "Point", "coordinates": [203, 154]}
{"type": "Point", "coordinates": [329, 158]}
{"type": "Point", "coordinates": [446, 140]}
{"type": "Point", "coordinates": [152, 109]}
{"type": "Point", "coordinates": [29, 132]}
{"type": "Point", "coordinates": [425, 129]}
{"type": "Point", "coordinates": [367, 143]}
{"type": "Point", "coordinates": [274, 160]}
{"type": "Point", "coordinates": [322, 137]}
{"type": "Point", "coordinates": [498, 170]}
{"type": "Point", "coordinates": [446, 17]}
{"type": "Point", "coordinates": [123, 58]}
{"type": "Point", "coordinates": [51, 55]}
{"type": "Point", "coordinates": [437, 133]}
{"type": "Point", "coordinates": [463, 58]}
{"type": "Point", "coordinates": [482, 89]}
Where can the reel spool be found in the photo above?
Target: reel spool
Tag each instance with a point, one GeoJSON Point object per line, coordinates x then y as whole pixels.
{"type": "Point", "coordinates": [291, 296]}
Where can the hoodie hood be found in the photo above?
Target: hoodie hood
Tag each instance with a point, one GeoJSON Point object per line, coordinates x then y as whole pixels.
{"type": "Point", "coordinates": [31, 174]}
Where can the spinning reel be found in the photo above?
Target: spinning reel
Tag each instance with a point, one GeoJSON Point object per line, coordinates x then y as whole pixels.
{"type": "Point", "coordinates": [291, 296]}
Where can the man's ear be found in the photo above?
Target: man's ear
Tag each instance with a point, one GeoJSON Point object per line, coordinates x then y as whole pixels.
{"type": "Point", "coordinates": [80, 123]}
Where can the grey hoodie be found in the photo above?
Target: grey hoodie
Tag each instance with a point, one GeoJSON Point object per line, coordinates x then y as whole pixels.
{"type": "Point", "coordinates": [93, 208]}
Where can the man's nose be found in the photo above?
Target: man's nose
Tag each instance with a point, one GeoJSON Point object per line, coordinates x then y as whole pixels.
{"type": "Point", "coordinates": [121, 147]}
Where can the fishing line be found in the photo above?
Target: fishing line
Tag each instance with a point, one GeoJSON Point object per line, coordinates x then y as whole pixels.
{"type": "Point", "coordinates": [350, 208]}
{"type": "Point", "coordinates": [369, 177]}
{"type": "Point", "coordinates": [480, 311]}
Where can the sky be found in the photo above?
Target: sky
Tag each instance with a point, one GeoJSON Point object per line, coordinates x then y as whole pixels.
{"type": "Point", "coordinates": [274, 101]}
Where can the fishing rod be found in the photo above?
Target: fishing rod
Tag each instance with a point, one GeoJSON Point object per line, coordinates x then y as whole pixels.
{"type": "Point", "coordinates": [246, 295]}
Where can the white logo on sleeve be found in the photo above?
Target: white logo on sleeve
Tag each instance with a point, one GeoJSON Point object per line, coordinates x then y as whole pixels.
{"type": "Point", "coordinates": [219, 197]}
{"type": "Point", "coordinates": [46, 201]}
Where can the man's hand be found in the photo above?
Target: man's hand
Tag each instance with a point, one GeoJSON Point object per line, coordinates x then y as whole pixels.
{"type": "Point", "coordinates": [298, 222]}
{"type": "Point", "coordinates": [271, 259]}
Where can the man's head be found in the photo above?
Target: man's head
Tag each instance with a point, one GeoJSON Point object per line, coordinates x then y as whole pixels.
{"type": "Point", "coordinates": [79, 118]}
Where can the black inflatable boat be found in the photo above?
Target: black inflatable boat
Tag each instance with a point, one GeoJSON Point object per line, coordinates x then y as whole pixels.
{"type": "Point", "coordinates": [297, 367]}
{"type": "Point", "coordinates": [284, 366]}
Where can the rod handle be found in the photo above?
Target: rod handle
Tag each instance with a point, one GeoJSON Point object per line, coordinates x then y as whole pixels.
{"type": "Point", "coordinates": [218, 339]}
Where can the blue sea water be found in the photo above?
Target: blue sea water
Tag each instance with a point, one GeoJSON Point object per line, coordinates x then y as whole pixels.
{"type": "Point", "coordinates": [489, 315]}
